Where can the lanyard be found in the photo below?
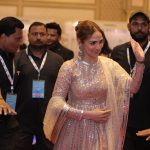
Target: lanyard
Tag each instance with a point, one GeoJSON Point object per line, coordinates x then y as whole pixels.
{"type": "Point", "coordinates": [11, 79]}
{"type": "Point", "coordinates": [128, 57]}
{"type": "Point", "coordinates": [34, 64]}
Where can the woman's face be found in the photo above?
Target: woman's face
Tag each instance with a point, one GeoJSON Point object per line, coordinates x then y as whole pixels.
{"type": "Point", "coordinates": [92, 46]}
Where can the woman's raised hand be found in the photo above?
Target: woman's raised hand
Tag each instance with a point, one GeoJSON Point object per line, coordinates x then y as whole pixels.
{"type": "Point", "coordinates": [138, 51]}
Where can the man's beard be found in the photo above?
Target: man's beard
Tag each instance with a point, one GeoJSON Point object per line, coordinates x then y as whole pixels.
{"type": "Point", "coordinates": [139, 38]}
{"type": "Point", "coordinates": [34, 46]}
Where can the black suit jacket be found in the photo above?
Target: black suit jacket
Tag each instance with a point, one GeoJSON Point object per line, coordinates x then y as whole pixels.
{"type": "Point", "coordinates": [64, 52]}
{"type": "Point", "coordinates": [140, 104]}
{"type": "Point", "coordinates": [119, 54]}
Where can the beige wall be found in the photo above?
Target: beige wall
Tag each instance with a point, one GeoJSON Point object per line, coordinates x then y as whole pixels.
{"type": "Point", "coordinates": [62, 10]}
{"type": "Point", "coordinates": [112, 15]}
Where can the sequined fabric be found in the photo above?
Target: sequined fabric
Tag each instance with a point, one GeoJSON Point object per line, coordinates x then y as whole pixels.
{"type": "Point", "coordinates": [101, 85]}
{"type": "Point", "coordinates": [88, 90]}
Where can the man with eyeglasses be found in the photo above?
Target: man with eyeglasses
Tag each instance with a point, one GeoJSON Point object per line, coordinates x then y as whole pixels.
{"type": "Point", "coordinates": [37, 68]}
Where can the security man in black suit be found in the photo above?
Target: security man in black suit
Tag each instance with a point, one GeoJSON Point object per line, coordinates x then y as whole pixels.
{"type": "Point", "coordinates": [139, 110]}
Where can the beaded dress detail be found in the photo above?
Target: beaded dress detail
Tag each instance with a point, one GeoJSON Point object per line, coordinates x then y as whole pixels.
{"type": "Point", "coordinates": [90, 86]}
{"type": "Point", "coordinates": [88, 90]}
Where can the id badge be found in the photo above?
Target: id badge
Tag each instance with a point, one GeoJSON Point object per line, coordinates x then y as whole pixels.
{"type": "Point", "coordinates": [38, 88]}
{"type": "Point", "coordinates": [11, 100]}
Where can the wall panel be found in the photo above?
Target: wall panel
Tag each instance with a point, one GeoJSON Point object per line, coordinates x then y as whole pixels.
{"type": "Point", "coordinates": [112, 10]}
{"type": "Point", "coordinates": [137, 3]}
{"type": "Point", "coordinates": [57, 14]}
{"type": "Point", "coordinates": [7, 10]}
{"type": "Point", "coordinates": [64, 1]}
{"type": "Point", "coordinates": [116, 10]}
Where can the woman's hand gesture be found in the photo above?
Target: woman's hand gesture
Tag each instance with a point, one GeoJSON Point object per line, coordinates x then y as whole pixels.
{"type": "Point", "coordinates": [138, 51]}
{"type": "Point", "coordinates": [97, 115]}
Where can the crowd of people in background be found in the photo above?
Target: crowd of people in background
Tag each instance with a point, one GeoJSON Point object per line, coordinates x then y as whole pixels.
{"type": "Point", "coordinates": [97, 101]}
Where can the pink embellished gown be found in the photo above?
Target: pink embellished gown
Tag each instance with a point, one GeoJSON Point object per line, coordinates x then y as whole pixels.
{"type": "Point", "coordinates": [103, 85]}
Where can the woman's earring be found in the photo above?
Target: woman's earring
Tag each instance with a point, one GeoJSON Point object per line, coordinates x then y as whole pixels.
{"type": "Point", "coordinates": [80, 53]}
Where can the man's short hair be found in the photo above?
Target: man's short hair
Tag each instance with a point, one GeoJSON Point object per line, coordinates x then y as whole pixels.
{"type": "Point", "coordinates": [139, 13]}
{"type": "Point", "coordinates": [36, 23]}
{"type": "Point", "coordinates": [8, 25]}
{"type": "Point", "coordinates": [54, 25]}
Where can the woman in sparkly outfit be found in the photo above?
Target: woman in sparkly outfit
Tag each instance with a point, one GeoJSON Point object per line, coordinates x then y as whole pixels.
{"type": "Point", "coordinates": [94, 116]}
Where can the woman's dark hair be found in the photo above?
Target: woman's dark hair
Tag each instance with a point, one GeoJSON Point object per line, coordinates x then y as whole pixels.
{"type": "Point", "coordinates": [106, 50]}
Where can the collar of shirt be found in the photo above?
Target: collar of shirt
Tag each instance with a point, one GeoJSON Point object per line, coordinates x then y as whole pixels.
{"type": "Point", "coordinates": [30, 53]}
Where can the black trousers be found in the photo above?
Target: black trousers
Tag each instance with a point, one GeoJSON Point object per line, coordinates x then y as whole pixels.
{"type": "Point", "coordinates": [25, 140]}
{"type": "Point", "coordinates": [8, 138]}
{"type": "Point", "coordinates": [133, 142]}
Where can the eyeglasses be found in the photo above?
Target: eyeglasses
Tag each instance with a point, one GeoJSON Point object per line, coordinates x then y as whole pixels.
{"type": "Point", "coordinates": [39, 33]}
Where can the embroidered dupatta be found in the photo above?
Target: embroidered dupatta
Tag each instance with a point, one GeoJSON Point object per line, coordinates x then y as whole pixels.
{"type": "Point", "coordinates": [118, 96]}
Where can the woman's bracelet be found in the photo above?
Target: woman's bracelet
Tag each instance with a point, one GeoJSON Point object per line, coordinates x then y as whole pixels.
{"type": "Point", "coordinates": [78, 114]}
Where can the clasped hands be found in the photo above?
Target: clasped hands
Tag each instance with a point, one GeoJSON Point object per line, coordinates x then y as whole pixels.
{"type": "Point", "coordinates": [97, 115]}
